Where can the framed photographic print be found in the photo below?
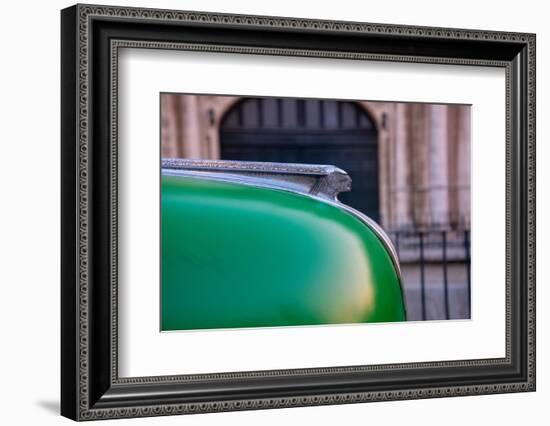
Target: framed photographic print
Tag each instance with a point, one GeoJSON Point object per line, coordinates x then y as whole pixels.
{"type": "Point", "coordinates": [263, 212]}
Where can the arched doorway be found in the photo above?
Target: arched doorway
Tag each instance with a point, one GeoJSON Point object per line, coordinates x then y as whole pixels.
{"type": "Point", "coordinates": [308, 131]}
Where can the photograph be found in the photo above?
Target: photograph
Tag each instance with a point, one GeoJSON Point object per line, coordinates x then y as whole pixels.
{"type": "Point", "coordinates": [303, 212]}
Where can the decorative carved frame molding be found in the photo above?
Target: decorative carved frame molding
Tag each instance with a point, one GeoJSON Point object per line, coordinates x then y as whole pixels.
{"type": "Point", "coordinates": [91, 37]}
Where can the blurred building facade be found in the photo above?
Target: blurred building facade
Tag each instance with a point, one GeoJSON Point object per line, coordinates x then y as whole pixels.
{"type": "Point", "coordinates": [409, 164]}
{"type": "Point", "coordinates": [420, 155]}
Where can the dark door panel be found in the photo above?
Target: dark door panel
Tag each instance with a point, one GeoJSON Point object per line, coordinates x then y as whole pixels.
{"type": "Point", "coordinates": [308, 131]}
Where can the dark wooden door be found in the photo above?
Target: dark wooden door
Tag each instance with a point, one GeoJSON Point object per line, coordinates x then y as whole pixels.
{"type": "Point", "coordinates": [308, 131]}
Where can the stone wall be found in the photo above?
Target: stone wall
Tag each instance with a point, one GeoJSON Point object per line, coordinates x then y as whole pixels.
{"type": "Point", "coordinates": [424, 154]}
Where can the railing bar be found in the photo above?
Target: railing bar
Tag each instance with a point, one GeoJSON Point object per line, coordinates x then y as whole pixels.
{"type": "Point", "coordinates": [468, 263]}
{"type": "Point", "coordinates": [445, 280]}
{"type": "Point", "coordinates": [422, 276]}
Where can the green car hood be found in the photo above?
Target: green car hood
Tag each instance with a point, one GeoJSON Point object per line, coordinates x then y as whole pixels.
{"type": "Point", "coordinates": [245, 255]}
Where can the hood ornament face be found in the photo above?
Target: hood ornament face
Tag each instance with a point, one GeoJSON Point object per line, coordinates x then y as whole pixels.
{"type": "Point", "coordinates": [323, 181]}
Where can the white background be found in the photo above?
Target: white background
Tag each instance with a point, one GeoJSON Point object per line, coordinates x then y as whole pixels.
{"type": "Point", "coordinates": [146, 352]}
{"type": "Point", "coordinates": [29, 225]}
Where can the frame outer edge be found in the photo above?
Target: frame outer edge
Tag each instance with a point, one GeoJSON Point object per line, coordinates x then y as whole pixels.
{"type": "Point", "coordinates": [81, 318]}
{"type": "Point", "coordinates": [69, 305]}
{"type": "Point", "coordinates": [531, 213]}
{"type": "Point", "coordinates": [83, 63]}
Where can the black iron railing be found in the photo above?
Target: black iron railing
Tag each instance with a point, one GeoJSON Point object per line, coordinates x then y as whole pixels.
{"type": "Point", "coordinates": [436, 272]}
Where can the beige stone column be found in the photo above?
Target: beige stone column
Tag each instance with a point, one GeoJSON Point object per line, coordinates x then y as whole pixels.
{"type": "Point", "coordinates": [191, 131]}
{"type": "Point", "coordinates": [401, 168]}
{"type": "Point", "coordinates": [438, 165]}
{"type": "Point", "coordinates": [384, 166]}
{"type": "Point", "coordinates": [419, 153]}
{"type": "Point", "coordinates": [452, 161]}
{"type": "Point", "coordinates": [464, 165]}
{"type": "Point", "coordinates": [170, 126]}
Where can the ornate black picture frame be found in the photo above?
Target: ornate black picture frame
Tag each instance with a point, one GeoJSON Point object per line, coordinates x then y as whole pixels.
{"type": "Point", "coordinates": [90, 38]}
